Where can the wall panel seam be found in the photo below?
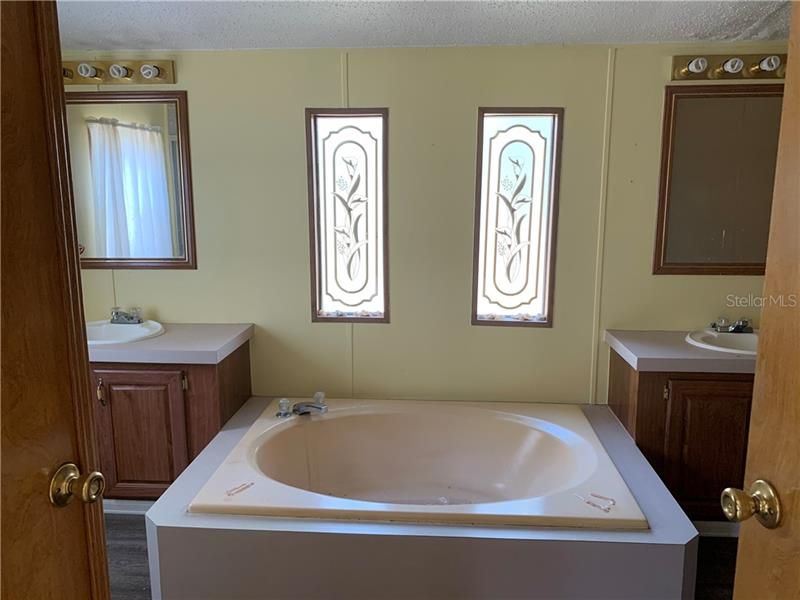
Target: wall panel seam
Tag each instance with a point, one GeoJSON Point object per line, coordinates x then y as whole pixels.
{"type": "Point", "coordinates": [601, 226]}
{"type": "Point", "coordinates": [345, 89]}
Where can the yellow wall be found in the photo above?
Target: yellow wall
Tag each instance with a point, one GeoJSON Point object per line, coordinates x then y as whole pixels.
{"type": "Point", "coordinates": [632, 298]}
{"type": "Point", "coordinates": [248, 161]}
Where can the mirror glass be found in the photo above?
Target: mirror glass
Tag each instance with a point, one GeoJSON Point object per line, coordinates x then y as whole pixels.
{"type": "Point", "coordinates": [130, 178]}
{"type": "Point", "coordinates": [720, 146]}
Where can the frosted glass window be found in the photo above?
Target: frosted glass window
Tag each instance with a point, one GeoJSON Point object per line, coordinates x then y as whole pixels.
{"type": "Point", "coordinates": [517, 179]}
{"type": "Point", "coordinates": [347, 208]}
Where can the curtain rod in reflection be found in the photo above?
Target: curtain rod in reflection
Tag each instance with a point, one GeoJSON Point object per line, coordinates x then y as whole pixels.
{"type": "Point", "coordinates": [118, 123]}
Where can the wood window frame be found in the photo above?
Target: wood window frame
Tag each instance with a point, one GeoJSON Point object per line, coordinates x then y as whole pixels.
{"type": "Point", "coordinates": [310, 115]}
{"type": "Point", "coordinates": [672, 94]}
{"type": "Point", "coordinates": [558, 112]}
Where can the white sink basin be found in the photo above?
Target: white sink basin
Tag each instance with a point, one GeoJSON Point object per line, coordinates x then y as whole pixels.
{"type": "Point", "coordinates": [732, 343]}
{"type": "Point", "coordinates": [105, 332]}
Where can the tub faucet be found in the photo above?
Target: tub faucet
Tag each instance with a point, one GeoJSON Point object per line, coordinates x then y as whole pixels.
{"type": "Point", "coordinates": [303, 408]}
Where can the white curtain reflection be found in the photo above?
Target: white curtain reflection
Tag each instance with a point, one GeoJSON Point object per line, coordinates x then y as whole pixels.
{"type": "Point", "coordinates": [131, 198]}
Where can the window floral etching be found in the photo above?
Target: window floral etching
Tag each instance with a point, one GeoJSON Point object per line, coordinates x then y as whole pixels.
{"type": "Point", "coordinates": [516, 207]}
{"type": "Point", "coordinates": [513, 239]}
{"type": "Point", "coordinates": [347, 206]}
{"type": "Point", "coordinates": [348, 244]}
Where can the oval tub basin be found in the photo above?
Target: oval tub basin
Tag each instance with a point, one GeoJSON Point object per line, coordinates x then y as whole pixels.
{"type": "Point", "coordinates": [425, 461]}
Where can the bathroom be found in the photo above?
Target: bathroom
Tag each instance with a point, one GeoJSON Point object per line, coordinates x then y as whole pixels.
{"type": "Point", "coordinates": [240, 319]}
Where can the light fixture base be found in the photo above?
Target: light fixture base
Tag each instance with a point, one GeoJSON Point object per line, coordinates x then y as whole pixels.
{"type": "Point", "coordinates": [123, 72]}
{"type": "Point", "coordinates": [752, 67]}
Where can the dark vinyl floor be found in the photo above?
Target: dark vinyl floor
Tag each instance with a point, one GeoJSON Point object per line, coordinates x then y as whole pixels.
{"type": "Point", "coordinates": [127, 557]}
{"type": "Point", "coordinates": [127, 562]}
{"type": "Point", "coordinates": [716, 563]}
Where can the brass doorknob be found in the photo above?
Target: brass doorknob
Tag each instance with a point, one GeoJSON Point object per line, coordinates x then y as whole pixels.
{"type": "Point", "coordinates": [68, 481]}
{"type": "Point", "coordinates": [761, 500]}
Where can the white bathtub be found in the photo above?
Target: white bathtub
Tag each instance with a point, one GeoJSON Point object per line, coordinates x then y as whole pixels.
{"type": "Point", "coordinates": [425, 461]}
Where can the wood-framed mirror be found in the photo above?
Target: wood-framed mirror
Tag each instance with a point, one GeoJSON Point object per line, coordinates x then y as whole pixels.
{"type": "Point", "coordinates": [131, 178]}
{"type": "Point", "coordinates": [719, 147]}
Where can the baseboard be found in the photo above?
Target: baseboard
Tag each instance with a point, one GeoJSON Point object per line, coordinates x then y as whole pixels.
{"type": "Point", "coordinates": [126, 507]}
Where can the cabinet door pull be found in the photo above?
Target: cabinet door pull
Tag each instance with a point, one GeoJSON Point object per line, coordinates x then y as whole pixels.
{"type": "Point", "coordinates": [100, 395]}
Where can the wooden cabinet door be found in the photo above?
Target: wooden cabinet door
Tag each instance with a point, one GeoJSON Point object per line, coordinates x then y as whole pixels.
{"type": "Point", "coordinates": [141, 430]}
{"type": "Point", "coordinates": [705, 445]}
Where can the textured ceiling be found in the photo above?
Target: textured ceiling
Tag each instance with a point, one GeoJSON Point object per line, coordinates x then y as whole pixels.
{"type": "Point", "coordinates": [167, 25]}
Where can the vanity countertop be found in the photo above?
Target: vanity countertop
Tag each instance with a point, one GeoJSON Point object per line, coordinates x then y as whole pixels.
{"type": "Point", "coordinates": [181, 343]}
{"type": "Point", "coordinates": [663, 351]}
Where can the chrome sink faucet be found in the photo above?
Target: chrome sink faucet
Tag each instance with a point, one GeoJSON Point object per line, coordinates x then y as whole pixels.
{"type": "Point", "coordinates": [120, 317]}
{"type": "Point", "coordinates": [722, 325]}
{"type": "Point", "coordinates": [318, 406]}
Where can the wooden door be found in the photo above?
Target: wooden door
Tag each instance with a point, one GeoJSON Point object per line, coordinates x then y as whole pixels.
{"type": "Point", "coordinates": [141, 429]}
{"type": "Point", "coordinates": [705, 442]}
{"type": "Point", "coordinates": [48, 552]}
{"type": "Point", "coordinates": [768, 563]}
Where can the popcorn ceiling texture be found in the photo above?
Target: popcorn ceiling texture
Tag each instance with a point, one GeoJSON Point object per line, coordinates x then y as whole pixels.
{"type": "Point", "coordinates": [176, 25]}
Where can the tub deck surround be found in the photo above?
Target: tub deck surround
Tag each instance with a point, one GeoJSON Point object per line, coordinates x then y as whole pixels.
{"type": "Point", "coordinates": [360, 559]}
{"type": "Point", "coordinates": [668, 351]}
{"type": "Point", "coordinates": [181, 343]}
{"type": "Point", "coordinates": [425, 461]}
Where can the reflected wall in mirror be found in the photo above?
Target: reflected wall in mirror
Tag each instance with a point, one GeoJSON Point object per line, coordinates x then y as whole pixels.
{"type": "Point", "coordinates": [131, 178]}
{"type": "Point", "coordinates": [718, 156]}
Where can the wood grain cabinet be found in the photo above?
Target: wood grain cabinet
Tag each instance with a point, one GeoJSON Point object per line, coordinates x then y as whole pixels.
{"type": "Point", "coordinates": [153, 419]}
{"type": "Point", "coordinates": [142, 422]}
{"type": "Point", "coordinates": [692, 427]}
{"type": "Point", "coordinates": [705, 441]}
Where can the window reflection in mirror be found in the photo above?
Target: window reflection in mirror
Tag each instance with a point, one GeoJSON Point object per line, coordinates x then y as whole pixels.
{"type": "Point", "coordinates": [718, 165]}
{"type": "Point", "coordinates": [130, 178]}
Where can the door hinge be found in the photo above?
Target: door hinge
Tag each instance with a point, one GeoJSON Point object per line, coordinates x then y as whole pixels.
{"type": "Point", "coordinates": [184, 382]}
{"type": "Point", "coordinates": [100, 392]}
{"type": "Point", "coordinates": [666, 391]}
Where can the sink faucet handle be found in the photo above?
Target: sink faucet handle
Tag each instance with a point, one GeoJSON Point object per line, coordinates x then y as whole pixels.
{"type": "Point", "coordinates": [284, 408]}
{"type": "Point", "coordinates": [319, 398]}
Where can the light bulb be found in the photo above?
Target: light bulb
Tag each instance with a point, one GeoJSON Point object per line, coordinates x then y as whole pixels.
{"type": "Point", "coordinates": [119, 72]}
{"type": "Point", "coordinates": [697, 65]}
{"type": "Point", "coordinates": [733, 65]}
{"type": "Point", "coordinates": [87, 70]}
{"type": "Point", "coordinates": [150, 71]}
{"type": "Point", "coordinates": [770, 63]}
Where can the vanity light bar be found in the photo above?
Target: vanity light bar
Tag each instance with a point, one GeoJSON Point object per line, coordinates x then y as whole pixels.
{"type": "Point", "coordinates": [694, 67]}
{"type": "Point", "coordinates": [92, 72]}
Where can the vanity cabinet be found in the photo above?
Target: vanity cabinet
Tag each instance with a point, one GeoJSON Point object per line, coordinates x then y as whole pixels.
{"type": "Point", "coordinates": [141, 419]}
{"type": "Point", "coordinates": [705, 440]}
{"type": "Point", "coordinates": [153, 419]}
{"type": "Point", "coordinates": [692, 428]}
